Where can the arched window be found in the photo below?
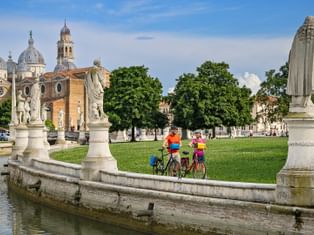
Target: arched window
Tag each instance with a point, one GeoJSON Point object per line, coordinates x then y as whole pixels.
{"type": "Point", "coordinates": [42, 89]}
{"type": "Point", "coordinates": [27, 90]}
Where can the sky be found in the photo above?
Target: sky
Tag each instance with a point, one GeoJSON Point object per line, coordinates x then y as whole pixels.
{"type": "Point", "coordinates": [170, 37]}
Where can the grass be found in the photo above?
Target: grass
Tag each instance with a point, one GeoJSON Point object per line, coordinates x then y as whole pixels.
{"type": "Point", "coordinates": [243, 159]}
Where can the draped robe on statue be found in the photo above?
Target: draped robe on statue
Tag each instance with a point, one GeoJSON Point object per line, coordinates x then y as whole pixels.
{"type": "Point", "coordinates": [301, 59]}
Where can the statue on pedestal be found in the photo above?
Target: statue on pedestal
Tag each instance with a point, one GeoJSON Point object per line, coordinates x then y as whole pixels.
{"type": "Point", "coordinates": [20, 107]}
{"type": "Point", "coordinates": [60, 119]}
{"type": "Point", "coordinates": [95, 84]}
{"type": "Point", "coordinates": [27, 109]}
{"type": "Point", "coordinates": [44, 110]}
{"type": "Point", "coordinates": [81, 121]}
{"type": "Point", "coordinates": [301, 65]}
{"type": "Point", "coordinates": [35, 102]}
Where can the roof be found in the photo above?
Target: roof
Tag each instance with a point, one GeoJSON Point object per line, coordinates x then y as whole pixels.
{"type": "Point", "coordinates": [77, 73]}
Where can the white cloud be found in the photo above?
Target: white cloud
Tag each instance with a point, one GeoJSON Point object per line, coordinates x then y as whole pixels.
{"type": "Point", "coordinates": [167, 56]}
{"type": "Point", "coordinates": [170, 90]}
{"type": "Point", "coordinates": [250, 80]}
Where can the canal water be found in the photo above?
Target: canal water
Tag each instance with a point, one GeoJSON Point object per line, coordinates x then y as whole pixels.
{"type": "Point", "coordinates": [19, 216]}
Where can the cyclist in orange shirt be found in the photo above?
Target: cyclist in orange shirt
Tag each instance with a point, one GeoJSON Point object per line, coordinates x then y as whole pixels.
{"type": "Point", "coordinates": [173, 138]}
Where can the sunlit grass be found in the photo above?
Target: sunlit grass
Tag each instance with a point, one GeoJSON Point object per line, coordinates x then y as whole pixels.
{"type": "Point", "coordinates": [242, 159]}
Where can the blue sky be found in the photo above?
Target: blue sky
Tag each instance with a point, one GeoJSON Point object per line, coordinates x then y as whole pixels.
{"type": "Point", "coordinates": [170, 37]}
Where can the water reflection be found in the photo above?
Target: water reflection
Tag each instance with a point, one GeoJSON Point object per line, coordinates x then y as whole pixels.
{"type": "Point", "coordinates": [19, 216]}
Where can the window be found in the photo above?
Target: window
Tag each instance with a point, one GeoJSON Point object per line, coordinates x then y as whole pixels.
{"type": "Point", "coordinates": [42, 89]}
{"type": "Point", "coordinates": [58, 88]}
{"type": "Point", "coordinates": [27, 90]}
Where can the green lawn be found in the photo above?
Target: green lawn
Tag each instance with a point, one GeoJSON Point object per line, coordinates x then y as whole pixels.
{"type": "Point", "coordinates": [242, 159]}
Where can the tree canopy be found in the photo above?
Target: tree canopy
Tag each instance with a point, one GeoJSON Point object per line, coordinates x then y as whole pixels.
{"type": "Point", "coordinates": [274, 86]}
{"type": "Point", "coordinates": [210, 98]}
{"type": "Point", "coordinates": [131, 99]}
{"type": "Point", "coordinates": [5, 110]}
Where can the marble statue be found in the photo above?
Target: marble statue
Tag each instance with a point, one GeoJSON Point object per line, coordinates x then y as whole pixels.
{"type": "Point", "coordinates": [35, 101]}
{"type": "Point", "coordinates": [60, 119]}
{"type": "Point", "coordinates": [20, 107]}
{"type": "Point", "coordinates": [95, 84]}
{"type": "Point", "coordinates": [27, 109]}
{"type": "Point", "coordinates": [44, 110]}
{"type": "Point", "coordinates": [81, 121]}
{"type": "Point", "coordinates": [301, 65]}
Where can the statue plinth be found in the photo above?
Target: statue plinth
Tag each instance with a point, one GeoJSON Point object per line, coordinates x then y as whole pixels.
{"type": "Point", "coordinates": [12, 132]}
{"type": "Point", "coordinates": [45, 138]}
{"type": "Point", "coordinates": [21, 141]}
{"type": "Point", "coordinates": [295, 181]}
{"type": "Point", "coordinates": [35, 147]}
{"type": "Point", "coordinates": [98, 156]}
{"type": "Point", "coordinates": [60, 136]}
{"type": "Point", "coordinates": [82, 137]}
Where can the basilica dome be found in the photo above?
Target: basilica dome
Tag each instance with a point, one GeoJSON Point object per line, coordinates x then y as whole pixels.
{"type": "Point", "coordinates": [3, 64]}
{"type": "Point", "coordinates": [31, 55]}
{"type": "Point", "coordinates": [66, 65]}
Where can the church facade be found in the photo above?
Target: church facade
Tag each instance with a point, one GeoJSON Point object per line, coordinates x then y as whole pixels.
{"type": "Point", "coordinates": [62, 88]}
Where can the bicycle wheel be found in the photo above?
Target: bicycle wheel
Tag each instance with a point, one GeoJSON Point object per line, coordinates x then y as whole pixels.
{"type": "Point", "coordinates": [158, 168]}
{"type": "Point", "coordinates": [199, 170]}
{"type": "Point", "coordinates": [184, 167]}
{"type": "Point", "coordinates": [172, 168]}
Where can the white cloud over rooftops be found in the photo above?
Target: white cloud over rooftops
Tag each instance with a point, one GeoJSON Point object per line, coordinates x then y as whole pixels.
{"type": "Point", "coordinates": [250, 80]}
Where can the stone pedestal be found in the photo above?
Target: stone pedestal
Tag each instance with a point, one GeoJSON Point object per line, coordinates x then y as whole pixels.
{"type": "Point", "coordinates": [12, 132]}
{"type": "Point", "coordinates": [119, 136]}
{"type": "Point", "coordinates": [98, 156]}
{"type": "Point", "coordinates": [143, 135]}
{"type": "Point", "coordinates": [165, 132]}
{"type": "Point", "coordinates": [35, 147]}
{"type": "Point", "coordinates": [82, 137]}
{"type": "Point", "coordinates": [45, 138]}
{"type": "Point", "coordinates": [21, 141]}
{"type": "Point", "coordinates": [61, 137]}
{"type": "Point", "coordinates": [295, 182]}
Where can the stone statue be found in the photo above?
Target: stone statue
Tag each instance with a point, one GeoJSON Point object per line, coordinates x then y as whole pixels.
{"type": "Point", "coordinates": [60, 119]}
{"type": "Point", "coordinates": [81, 121]}
{"type": "Point", "coordinates": [27, 109]}
{"type": "Point", "coordinates": [301, 65]}
{"type": "Point", "coordinates": [35, 102]}
{"type": "Point", "coordinates": [95, 84]}
{"type": "Point", "coordinates": [20, 107]}
{"type": "Point", "coordinates": [44, 110]}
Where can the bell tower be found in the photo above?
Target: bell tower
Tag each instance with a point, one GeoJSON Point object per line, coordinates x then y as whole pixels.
{"type": "Point", "coordinates": [65, 46]}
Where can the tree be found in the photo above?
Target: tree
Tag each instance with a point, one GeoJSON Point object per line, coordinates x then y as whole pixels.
{"type": "Point", "coordinates": [272, 95]}
{"type": "Point", "coordinates": [49, 124]}
{"type": "Point", "coordinates": [132, 97]}
{"type": "Point", "coordinates": [210, 98]}
{"type": "Point", "coordinates": [5, 110]}
{"type": "Point", "coordinates": [158, 120]}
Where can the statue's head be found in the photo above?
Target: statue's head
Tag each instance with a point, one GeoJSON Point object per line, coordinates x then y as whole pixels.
{"type": "Point", "coordinates": [97, 62]}
{"type": "Point", "coordinates": [309, 20]}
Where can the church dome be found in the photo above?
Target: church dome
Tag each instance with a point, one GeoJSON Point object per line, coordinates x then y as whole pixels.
{"type": "Point", "coordinates": [31, 55]}
{"type": "Point", "coordinates": [3, 64]}
{"type": "Point", "coordinates": [66, 65]}
{"type": "Point", "coordinates": [65, 29]}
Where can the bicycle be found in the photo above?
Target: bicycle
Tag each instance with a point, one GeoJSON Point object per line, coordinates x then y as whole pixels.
{"type": "Point", "coordinates": [159, 168]}
{"type": "Point", "coordinates": [198, 168]}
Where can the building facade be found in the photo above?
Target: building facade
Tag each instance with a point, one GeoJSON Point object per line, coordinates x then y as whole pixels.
{"type": "Point", "coordinates": [61, 89]}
